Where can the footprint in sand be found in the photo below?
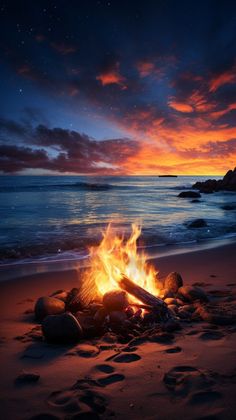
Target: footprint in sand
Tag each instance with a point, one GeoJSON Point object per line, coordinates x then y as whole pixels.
{"type": "Point", "coordinates": [204, 397]}
{"type": "Point", "coordinates": [176, 349]}
{"type": "Point", "coordinates": [183, 380]}
{"type": "Point", "coordinates": [81, 400]}
{"type": "Point", "coordinates": [105, 368]}
{"type": "Point", "coordinates": [127, 358]}
{"type": "Point", "coordinates": [87, 350]}
{"type": "Point", "coordinates": [211, 335]}
{"type": "Point", "coordinates": [111, 379]}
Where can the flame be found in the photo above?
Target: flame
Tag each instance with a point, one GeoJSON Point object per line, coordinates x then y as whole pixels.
{"type": "Point", "coordinates": [115, 256]}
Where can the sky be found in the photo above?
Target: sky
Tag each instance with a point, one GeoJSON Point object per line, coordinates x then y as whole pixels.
{"type": "Point", "coordinates": [118, 88]}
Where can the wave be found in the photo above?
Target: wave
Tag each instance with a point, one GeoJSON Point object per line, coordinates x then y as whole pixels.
{"type": "Point", "coordinates": [84, 186]}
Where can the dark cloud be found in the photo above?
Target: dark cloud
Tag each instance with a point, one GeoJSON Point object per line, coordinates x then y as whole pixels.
{"type": "Point", "coordinates": [63, 151]}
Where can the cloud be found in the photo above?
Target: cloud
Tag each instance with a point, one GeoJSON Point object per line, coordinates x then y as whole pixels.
{"type": "Point", "coordinates": [227, 77]}
{"type": "Point", "coordinates": [180, 106]}
{"type": "Point", "coordinates": [62, 151]}
{"type": "Point", "coordinates": [111, 76]}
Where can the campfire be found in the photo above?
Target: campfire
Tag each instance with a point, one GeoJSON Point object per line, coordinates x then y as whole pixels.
{"type": "Point", "coordinates": [121, 294]}
{"type": "Point", "coordinates": [116, 268]}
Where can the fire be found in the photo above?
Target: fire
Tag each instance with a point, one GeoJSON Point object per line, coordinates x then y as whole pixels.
{"type": "Point", "coordinates": [115, 256]}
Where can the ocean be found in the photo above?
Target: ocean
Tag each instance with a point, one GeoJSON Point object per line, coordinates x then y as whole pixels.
{"type": "Point", "coordinates": [61, 216]}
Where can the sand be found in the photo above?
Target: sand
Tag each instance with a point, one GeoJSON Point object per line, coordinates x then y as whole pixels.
{"type": "Point", "coordinates": [191, 375]}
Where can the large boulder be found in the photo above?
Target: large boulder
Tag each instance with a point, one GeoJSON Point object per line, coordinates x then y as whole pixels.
{"type": "Point", "coordinates": [115, 300]}
{"type": "Point", "coordinates": [189, 194]}
{"type": "Point", "coordinates": [46, 305]}
{"type": "Point", "coordinates": [173, 281]}
{"type": "Point", "coordinates": [64, 328]}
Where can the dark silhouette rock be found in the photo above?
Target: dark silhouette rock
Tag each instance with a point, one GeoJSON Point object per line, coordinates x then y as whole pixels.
{"type": "Point", "coordinates": [228, 183]}
{"type": "Point", "coordinates": [189, 194]}
{"type": "Point", "coordinates": [198, 223]}
{"type": "Point", "coordinates": [63, 328]}
{"type": "Point", "coordinates": [48, 306]}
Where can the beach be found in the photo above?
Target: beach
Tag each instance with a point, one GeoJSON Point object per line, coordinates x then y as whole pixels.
{"type": "Point", "coordinates": [190, 374]}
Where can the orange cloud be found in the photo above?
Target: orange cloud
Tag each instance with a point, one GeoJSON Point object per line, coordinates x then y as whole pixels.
{"type": "Point", "coordinates": [218, 114]}
{"type": "Point", "coordinates": [180, 106]}
{"type": "Point", "coordinates": [227, 77]}
{"type": "Point", "coordinates": [112, 77]}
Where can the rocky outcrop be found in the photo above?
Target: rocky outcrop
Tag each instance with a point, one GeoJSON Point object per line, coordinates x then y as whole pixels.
{"type": "Point", "coordinates": [228, 183]}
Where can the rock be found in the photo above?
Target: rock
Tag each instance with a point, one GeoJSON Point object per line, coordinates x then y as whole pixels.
{"type": "Point", "coordinates": [100, 316]}
{"type": "Point", "coordinates": [173, 281]}
{"type": "Point", "coordinates": [166, 293]}
{"type": "Point", "coordinates": [63, 328]}
{"type": "Point", "coordinates": [188, 308]}
{"type": "Point", "coordinates": [184, 314]}
{"type": "Point", "coordinates": [94, 307]}
{"type": "Point", "coordinates": [116, 300]}
{"type": "Point", "coordinates": [88, 324]}
{"type": "Point", "coordinates": [117, 317]}
{"type": "Point", "coordinates": [191, 293]}
{"type": "Point", "coordinates": [173, 308]}
{"type": "Point", "coordinates": [170, 301]}
{"type": "Point", "coordinates": [61, 296]}
{"type": "Point", "coordinates": [228, 183]}
{"type": "Point", "coordinates": [48, 306]}
{"type": "Point", "coordinates": [189, 194]}
{"type": "Point", "coordinates": [198, 223]}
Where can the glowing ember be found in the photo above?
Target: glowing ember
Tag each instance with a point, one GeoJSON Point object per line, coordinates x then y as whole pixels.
{"type": "Point", "coordinates": [115, 256]}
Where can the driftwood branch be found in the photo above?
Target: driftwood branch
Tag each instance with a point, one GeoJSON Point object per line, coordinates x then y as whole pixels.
{"type": "Point", "coordinates": [157, 304]}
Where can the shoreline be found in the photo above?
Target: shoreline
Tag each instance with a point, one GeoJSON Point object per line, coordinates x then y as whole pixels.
{"type": "Point", "coordinates": [16, 269]}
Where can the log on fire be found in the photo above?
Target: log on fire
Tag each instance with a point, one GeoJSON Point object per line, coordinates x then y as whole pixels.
{"type": "Point", "coordinates": [145, 297]}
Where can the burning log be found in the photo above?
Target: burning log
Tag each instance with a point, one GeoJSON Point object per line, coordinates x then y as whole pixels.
{"type": "Point", "coordinates": [144, 296]}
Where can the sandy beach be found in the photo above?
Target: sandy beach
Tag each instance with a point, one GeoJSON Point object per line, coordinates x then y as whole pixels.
{"type": "Point", "coordinates": [190, 373]}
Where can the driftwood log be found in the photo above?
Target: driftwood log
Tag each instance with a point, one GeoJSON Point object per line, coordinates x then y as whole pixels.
{"type": "Point", "coordinates": [157, 304]}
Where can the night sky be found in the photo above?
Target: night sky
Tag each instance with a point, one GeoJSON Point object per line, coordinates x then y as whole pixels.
{"type": "Point", "coordinates": [118, 87]}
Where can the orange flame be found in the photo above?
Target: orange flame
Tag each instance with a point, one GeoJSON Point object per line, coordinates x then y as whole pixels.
{"type": "Point", "coordinates": [115, 256]}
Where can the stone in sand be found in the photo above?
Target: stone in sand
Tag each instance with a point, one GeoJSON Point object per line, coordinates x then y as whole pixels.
{"type": "Point", "coordinates": [48, 306]}
{"type": "Point", "coordinates": [191, 293]}
{"type": "Point", "coordinates": [63, 328]}
{"type": "Point", "coordinates": [173, 281]}
{"type": "Point", "coordinates": [115, 300]}
{"type": "Point", "coordinates": [100, 316]}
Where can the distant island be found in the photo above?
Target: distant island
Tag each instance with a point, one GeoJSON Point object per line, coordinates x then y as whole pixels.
{"type": "Point", "coordinates": [167, 176]}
